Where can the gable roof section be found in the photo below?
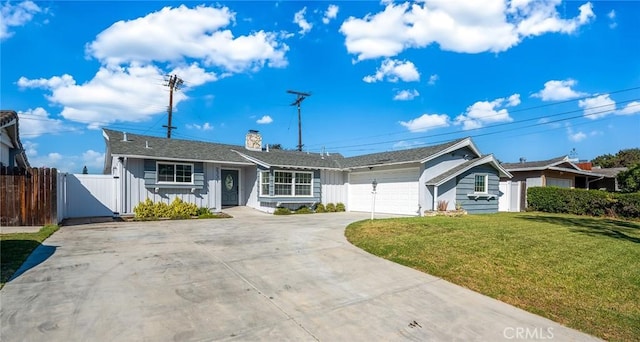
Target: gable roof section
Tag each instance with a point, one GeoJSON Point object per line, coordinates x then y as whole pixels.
{"type": "Point", "coordinates": [142, 146]}
{"type": "Point", "coordinates": [469, 164]}
{"type": "Point", "coordinates": [414, 155]}
{"type": "Point", "coordinates": [9, 121]}
{"type": "Point", "coordinates": [539, 165]}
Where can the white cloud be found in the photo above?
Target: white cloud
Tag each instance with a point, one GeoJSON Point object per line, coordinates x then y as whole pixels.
{"type": "Point", "coordinates": [459, 26]}
{"type": "Point", "coordinates": [178, 34]}
{"type": "Point", "coordinates": [612, 19]}
{"type": "Point", "coordinates": [330, 13]}
{"type": "Point", "coordinates": [53, 82]}
{"type": "Point", "coordinates": [598, 106]}
{"type": "Point", "coordinates": [555, 90]}
{"type": "Point", "coordinates": [575, 136]}
{"type": "Point", "coordinates": [406, 95]}
{"type": "Point", "coordinates": [406, 144]}
{"type": "Point", "coordinates": [36, 122]}
{"type": "Point", "coordinates": [264, 120]}
{"type": "Point", "coordinates": [299, 19]}
{"type": "Point", "coordinates": [426, 122]}
{"type": "Point", "coordinates": [115, 94]}
{"type": "Point", "coordinates": [630, 109]}
{"type": "Point", "coordinates": [94, 161]}
{"type": "Point", "coordinates": [393, 70]}
{"type": "Point", "coordinates": [204, 127]}
{"type": "Point", "coordinates": [546, 121]}
{"type": "Point", "coordinates": [433, 79]}
{"type": "Point", "coordinates": [485, 112]}
{"type": "Point", "coordinates": [16, 15]}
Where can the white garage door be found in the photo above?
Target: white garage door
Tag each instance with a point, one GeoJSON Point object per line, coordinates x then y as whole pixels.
{"type": "Point", "coordinates": [397, 191]}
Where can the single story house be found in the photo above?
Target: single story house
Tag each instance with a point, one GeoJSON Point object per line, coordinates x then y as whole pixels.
{"type": "Point", "coordinates": [217, 175]}
{"type": "Point", "coordinates": [560, 172]}
{"type": "Point", "coordinates": [11, 152]}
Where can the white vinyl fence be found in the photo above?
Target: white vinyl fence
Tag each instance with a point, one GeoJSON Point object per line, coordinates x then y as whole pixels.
{"type": "Point", "coordinates": [510, 196]}
{"type": "Point", "coordinates": [86, 195]}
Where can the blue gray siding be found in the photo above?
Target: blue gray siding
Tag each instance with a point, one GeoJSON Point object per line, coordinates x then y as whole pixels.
{"type": "Point", "coordinates": [466, 186]}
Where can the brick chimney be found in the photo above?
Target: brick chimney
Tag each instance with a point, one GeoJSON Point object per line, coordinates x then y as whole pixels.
{"type": "Point", "coordinates": [253, 141]}
{"type": "Point", "coordinates": [584, 165]}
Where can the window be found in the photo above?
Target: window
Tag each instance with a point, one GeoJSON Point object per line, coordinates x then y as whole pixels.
{"type": "Point", "coordinates": [291, 183]}
{"type": "Point", "coordinates": [174, 173]}
{"type": "Point", "coordinates": [264, 183]}
{"type": "Point", "coordinates": [480, 184]}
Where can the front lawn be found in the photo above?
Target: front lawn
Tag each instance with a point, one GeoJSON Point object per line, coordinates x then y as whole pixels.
{"type": "Point", "coordinates": [582, 272]}
{"type": "Point", "coordinates": [16, 247]}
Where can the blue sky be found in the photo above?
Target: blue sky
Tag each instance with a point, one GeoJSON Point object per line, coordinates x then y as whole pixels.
{"type": "Point", "coordinates": [532, 79]}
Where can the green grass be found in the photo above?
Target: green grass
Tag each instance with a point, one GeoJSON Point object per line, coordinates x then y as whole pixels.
{"type": "Point", "coordinates": [582, 272]}
{"type": "Point", "coordinates": [16, 247]}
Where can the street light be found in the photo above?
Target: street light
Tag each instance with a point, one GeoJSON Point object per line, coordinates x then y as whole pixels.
{"type": "Point", "coordinates": [374, 185]}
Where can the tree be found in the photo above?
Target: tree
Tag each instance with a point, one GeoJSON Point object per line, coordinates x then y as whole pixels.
{"type": "Point", "coordinates": [624, 158]}
{"type": "Point", "coordinates": [275, 146]}
{"type": "Point", "coordinates": [85, 171]}
{"type": "Point", "coordinates": [629, 180]}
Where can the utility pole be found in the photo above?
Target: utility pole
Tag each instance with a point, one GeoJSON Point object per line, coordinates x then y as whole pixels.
{"type": "Point", "coordinates": [300, 97]}
{"type": "Point", "coordinates": [174, 82]}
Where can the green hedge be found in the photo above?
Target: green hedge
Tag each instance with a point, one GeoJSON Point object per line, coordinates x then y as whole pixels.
{"type": "Point", "coordinates": [176, 210]}
{"type": "Point", "coordinates": [583, 202]}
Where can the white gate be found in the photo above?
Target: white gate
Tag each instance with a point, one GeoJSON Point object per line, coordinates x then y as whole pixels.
{"type": "Point", "coordinates": [88, 195]}
{"type": "Point", "coordinates": [509, 196]}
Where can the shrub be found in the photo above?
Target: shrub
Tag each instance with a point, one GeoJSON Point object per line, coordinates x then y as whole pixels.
{"type": "Point", "coordinates": [282, 211]}
{"type": "Point", "coordinates": [443, 205]}
{"type": "Point", "coordinates": [320, 208]}
{"type": "Point", "coordinates": [203, 211]}
{"type": "Point", "coordinates": [145, 210]}
{"type": "Point", "coordinates": [583, 202]}
{"type": "Point", "coordinates": [330, 207]}
{"type": "Point", "coordinates": [304, 210]}
{"type": "Point", "coordinates": [340, 207]}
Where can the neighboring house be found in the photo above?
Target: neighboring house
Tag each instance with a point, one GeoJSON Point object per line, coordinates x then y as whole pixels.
{"type": "Point", "coordinates": [11, 152]}
{"type": "Point", "coordinates": [560, 172]}
{"type": "Point", "coordinates": [218, 175]}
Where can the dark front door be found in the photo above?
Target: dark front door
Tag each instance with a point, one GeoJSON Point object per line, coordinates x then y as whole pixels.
{"type": "Point", "coordinates": [229, 187]}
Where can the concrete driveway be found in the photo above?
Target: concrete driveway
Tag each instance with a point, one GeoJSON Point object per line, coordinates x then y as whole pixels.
{"type": "Point", "coordinates": [253, 277]}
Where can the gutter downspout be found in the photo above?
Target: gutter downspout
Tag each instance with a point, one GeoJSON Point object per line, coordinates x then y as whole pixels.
{"type": "Point", "coordinates": [435, 198]}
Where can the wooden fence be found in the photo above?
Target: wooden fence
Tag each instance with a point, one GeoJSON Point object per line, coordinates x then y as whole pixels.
{"type": "Point", "coordinates": [28, 196]}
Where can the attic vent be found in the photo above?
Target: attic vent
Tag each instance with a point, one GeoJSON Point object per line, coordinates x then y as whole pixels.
{"type": "Point", "coordinates": [124, 136]}
{"type": "Point", "coordinates": [146, 144]}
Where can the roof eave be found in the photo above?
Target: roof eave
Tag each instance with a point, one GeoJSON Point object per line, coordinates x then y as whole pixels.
{"type": "Point", "coordinates": [462, 143]}
{"type": "Point", "coordinates": [482, 160]}
{"type": "Point", "coordinates": [117, 155]}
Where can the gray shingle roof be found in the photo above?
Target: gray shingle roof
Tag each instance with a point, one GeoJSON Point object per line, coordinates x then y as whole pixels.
{"type": "Point", "coordinates": [451, 172]}
{"type": "Point", "coordinates": [6, 116]}
{"type": "Point", "coordinates": [397, 157]}
{"type": "Point", "coordinates": [176, 149]}
{"type": "Point", "coordinates": [534, 164]}
{"type": "Point", "coordinates": [167, 149]}
{"type": "Point", "coordinates": [609, 172]}
{"type": "Point", "coordinates": [295, 158]}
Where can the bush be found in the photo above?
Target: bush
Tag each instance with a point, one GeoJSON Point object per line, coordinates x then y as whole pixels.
{"type": "Point", "coordinates": [304, 210]}
{"type": "Point", "coordinates": [331, 208]}
{"type": "Point", "coordinates": [176, 210]}
{"type": "Point", "coordinates": [203, 211]}
{"type": "Point", "coordinates": [282, 211]}
{"type": "Point", "coordinates": [320, 208]}
{"type": "Point", "coordinates": [340, 207]}
{"type": "Point", "coordinates": [442, 205]}
{"type": "Point", "coordinates": [583, 202]}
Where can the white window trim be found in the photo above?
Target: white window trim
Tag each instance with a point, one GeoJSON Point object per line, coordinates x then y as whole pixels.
{"type": "Point", "coordinates": [261, 183]}
{"type": "Point", "coordinates": [486, 183]}
{"type": "Point", "coordinates": [293, 184]}
{"type": "Point", "coordinates": [174, 172]}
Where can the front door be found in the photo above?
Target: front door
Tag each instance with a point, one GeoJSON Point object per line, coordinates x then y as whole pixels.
{"type": "Point", "coordinates": [229, 188]}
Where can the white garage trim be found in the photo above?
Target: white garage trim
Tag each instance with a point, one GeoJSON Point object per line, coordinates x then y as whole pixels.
{"type": "Point", "coordinates": [397, 191]}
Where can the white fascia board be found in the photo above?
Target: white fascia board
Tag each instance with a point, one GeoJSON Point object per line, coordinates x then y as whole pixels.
{"type": "Point", "coordinates": [10, 123]}
{"type": "Point", "coordinates": [181, 159]}
{"type": "Point", "coordinates": [464, 143]}
{"type": "Point", "coordinates": [483, 160]}
{"type": "Point", "coordinates": [379, 165]}
{"type": "Point", "coordinates": [580, 171]}
{"type": "Point", "coordinates": [253, 160]}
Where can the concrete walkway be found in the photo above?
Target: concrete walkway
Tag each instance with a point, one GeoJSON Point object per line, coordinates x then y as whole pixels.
{"type": "Point", "coordinates": [253, 277]}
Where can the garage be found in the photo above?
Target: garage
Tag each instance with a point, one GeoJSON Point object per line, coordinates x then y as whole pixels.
{"type": "Point", "coordinates": [397, 191]}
